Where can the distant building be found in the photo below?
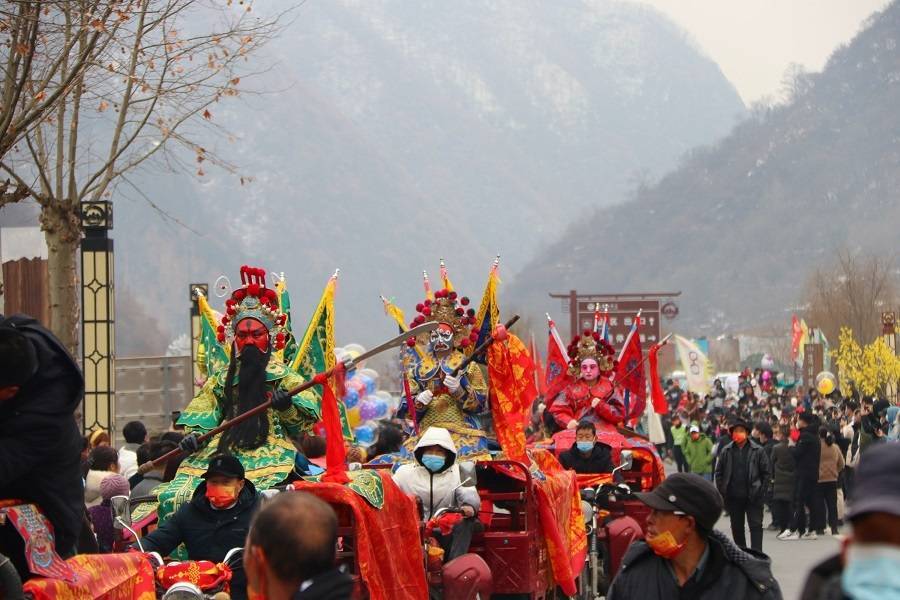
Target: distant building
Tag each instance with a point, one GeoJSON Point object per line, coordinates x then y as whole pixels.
{"type": "Point", "coordinates": [23, 257]}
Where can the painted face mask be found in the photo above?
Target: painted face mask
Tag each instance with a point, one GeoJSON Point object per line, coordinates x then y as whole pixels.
{"type": "Point", "coordinates": [250, 332]}
{"type": "Point", "coordinates": [589, 369]}
{"type": "Point", "coordinates": [442, 338]}
{"type": "Point", "coordinates": [665, 545]}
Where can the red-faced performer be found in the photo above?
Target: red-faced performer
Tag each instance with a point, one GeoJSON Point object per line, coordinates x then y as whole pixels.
{"type": "Point", "coordinates": [253, 330]}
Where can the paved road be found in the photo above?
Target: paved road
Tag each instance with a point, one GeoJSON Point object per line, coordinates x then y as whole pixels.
{"type": "Point", "coordinates": [791, 561]}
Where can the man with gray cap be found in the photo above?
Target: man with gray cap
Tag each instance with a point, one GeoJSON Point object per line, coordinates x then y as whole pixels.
{"type": "Point", "coordinates": [683, 556]}
{"type": "Point", "coordinates": [869, 566]}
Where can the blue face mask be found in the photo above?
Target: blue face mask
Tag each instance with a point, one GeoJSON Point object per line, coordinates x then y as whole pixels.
{"type": "Point", "coordinates": [872, 572]}
{"type": "Point", "coordinates": [584, 446]}
{"type": "Point", "coordinates": [433, 463]}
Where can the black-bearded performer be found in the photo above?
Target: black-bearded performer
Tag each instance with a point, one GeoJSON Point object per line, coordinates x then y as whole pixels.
{"type": "Point", "coordinates": [253, 328]}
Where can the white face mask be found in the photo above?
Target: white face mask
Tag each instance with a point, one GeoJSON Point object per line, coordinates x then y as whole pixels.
{"type": "Point", "coordinates": [793, 402]}
{"type": "Point", "coordinates": [872, 572]}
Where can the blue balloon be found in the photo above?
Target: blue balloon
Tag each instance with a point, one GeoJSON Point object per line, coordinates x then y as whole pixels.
{"type": "Point", "coordinates": [365, 434]}
{"type": "Point", "coordinates": [369, 383]}
{"type": "Point", "coordinates": [351, 398]}
{"type": "Point", "coordinates": [381, 408]}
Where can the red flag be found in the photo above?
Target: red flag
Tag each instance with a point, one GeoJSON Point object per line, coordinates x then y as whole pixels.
{"type": "Point", "coordinates": [660, 406]}
{"type": "Point", "coordinates": [539, 377]}
{"type": "Point", "coordinates": [796, 337]}
{"type": "Point", "coordinates": [630, 372]}
{"type": "Point", "coordinates": [557, 364]}
{"type": "Point", "coordinates": [512, 392]}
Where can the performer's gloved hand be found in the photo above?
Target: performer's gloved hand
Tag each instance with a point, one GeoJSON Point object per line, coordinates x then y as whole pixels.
{"type": "Point", "coordinates": [452, 383]}
{"type": "Point", "coordinates": [424, 398]}
{"type": "Point", "coordinates": [595, 402]}
{"type": "Point", "coordinates": [572, 424]}
{"type": "Point", "coordinates": [189, 443]}
{"type": "Point", "coordinates": [281, 400]}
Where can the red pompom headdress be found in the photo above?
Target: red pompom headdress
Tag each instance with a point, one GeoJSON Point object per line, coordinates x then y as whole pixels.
{"type": "Point", "coordinates": [452, 310]}
{"type": "Point", "coordinates": [256, 301]}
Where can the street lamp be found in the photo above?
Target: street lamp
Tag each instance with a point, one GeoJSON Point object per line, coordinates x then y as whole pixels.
{"type": "Point", "coordinates": [98, 317]}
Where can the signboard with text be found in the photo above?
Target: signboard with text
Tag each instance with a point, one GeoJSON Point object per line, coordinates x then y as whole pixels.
{"type": "Point", "coordinates": [621, 315]}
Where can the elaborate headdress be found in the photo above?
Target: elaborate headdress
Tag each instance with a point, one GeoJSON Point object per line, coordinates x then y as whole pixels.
{"type": "Point", "coordinates": [254, 300]}
{"type": "Point", "coordinates": [451, 309]}
{"type": "Point", "coordinates": [590, 345]}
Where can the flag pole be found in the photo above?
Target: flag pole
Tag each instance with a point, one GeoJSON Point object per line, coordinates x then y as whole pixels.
{"type": "Point", "coordinates": [630, 333]}
{"type": "Point", "coordinates": [661, 343]}
{"type": "Point", "coordinates": [556, 338]}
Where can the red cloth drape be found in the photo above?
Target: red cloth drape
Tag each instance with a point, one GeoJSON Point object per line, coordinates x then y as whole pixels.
{"type": "Point", "coordinates": [335, 453]}
{"type": "Point", "coordinates": [511, 374]}
{"type": "Point", "coordinates": [388, 547]}
{"type": "Point", "coordinates": [110, 576]}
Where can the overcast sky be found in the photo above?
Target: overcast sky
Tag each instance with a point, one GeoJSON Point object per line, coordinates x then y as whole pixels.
{"type": "Point", "coordinates": [755, 40]}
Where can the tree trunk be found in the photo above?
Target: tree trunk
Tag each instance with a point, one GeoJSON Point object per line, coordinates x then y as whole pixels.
{"type": "Point", "coordinates": [61, 225]}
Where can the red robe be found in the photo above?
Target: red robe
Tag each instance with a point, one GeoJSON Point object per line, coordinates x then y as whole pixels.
{"type": "Point", "coordinates": [575, 403]}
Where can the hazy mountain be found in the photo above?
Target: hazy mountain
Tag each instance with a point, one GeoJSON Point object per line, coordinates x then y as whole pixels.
{"type": "Point", "coordinates": [739, 225]}
{"type": "Point", "coordinates": [401, 132]}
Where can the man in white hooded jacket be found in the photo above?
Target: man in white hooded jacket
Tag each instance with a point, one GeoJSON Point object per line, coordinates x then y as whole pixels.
{"type": "Point", "coordinates": [434, 479]}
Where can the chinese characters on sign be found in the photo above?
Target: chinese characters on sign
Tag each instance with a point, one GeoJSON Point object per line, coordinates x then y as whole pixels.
{"type": "Point", "coordinates": [621, 315]}
{"type": "Point", "coordinates": [620, 310]}
{"type": "Point", "coordinates": [813, 364]}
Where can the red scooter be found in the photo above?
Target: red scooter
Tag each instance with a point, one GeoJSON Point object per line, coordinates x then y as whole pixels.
{"type": "Point", "coordinates": [466, 577]}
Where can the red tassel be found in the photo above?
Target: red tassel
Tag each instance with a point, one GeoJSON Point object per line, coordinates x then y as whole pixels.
{"type": "Point", "coordinates": [335, 453]}
{"type": "Point", "coordinates": [660, 406]}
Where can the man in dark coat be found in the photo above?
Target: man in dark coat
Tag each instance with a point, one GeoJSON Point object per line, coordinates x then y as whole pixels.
{"type": "Point", "coordinates": [216, 519]}
{"type": "Point", "coordinates": [806, 456]}
{"type": "Point", "coordinates": [783, 477]}
{"type": "Point", "coordinates": [40, 445]}
{"type": "Point", "coordinates": [743, 476]}
{"type": "Point", "coordinates": [290, 551]}
{"type": "Point", "coordinates": [684, 557]}
{"type": "Point", "coordinates": [587, 455]}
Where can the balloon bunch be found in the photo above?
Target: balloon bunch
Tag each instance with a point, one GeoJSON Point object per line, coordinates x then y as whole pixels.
{"type": "Point", "coordinates": [365, 403]}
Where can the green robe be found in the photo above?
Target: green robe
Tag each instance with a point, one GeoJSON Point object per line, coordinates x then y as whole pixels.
{"type": "Point", "coordinates": [265, 466]}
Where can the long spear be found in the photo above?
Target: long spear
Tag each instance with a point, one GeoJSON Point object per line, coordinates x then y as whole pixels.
{"type": "Point", "coordinates": [320, 378]}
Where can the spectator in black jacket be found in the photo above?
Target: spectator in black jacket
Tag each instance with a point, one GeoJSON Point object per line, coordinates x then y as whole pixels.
{"type": "Point", "coordinates": [743, 476]}
{"type": "Point", "coordinates": [783, 477]}
{"type": "Point", "coordinates": [683, 556]}
{"type": "Point", "coordinates": [806, 457]}
{"type": "Point", "coordinates": [762, 435]}
{"type": "Point", "coordinates": [40, 389]}
{"type": "Point", "coordinates": [587, 455]}
{"type": "Point", "coordinates": [290, 552]}
{"type": "Point", "coordinates": [216, 519]}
